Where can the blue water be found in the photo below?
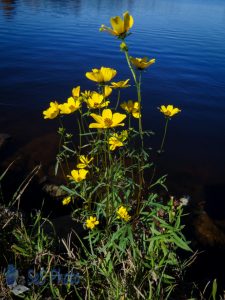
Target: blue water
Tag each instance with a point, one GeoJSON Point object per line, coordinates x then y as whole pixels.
{"type": "Point", "coordinates": [48, 45]}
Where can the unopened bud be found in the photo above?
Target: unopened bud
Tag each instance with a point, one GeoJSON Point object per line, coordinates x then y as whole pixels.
{"type": "Point", "coordinates": [123, 46]}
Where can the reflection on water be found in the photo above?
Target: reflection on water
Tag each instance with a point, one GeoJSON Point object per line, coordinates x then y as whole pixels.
{"type": "Point", "coordinates": [8, 7]}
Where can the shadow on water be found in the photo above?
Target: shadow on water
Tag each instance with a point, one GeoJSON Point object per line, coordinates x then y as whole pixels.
{"type": "Point", "coordinates": [8, 8]}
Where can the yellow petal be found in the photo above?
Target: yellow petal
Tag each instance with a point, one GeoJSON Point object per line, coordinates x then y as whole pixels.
{"type": "Point", "coordinates": [96, 125]}
{"type": "Point", "coordinates": [107, 91]}
{"type": "Point", "coordinates": [81, 166]}
{"type": "Point", "coordinates": [170, 107]}
{"type": "Point", "coordinates": [97, 118]}
{"type": "Point", "coordinates": [128, 21]}
{"type": "Point", "coordinates": [107, 114]}
{"type": "Point", "coordinates": [74, 174]}
{"type": "Point", "coordinates": [117, 25]}
{"type": "Point", "coordinates": [136, 114]}
{"type": "Point", "coordinates": [117, 118]}
{"type": "Point", "coordinates": [91, 76]}
{"type": "Point", "coordinates": [109, 30]}
{"type": "Point", "coordinates": [76, 92]}
{"type": "Point", "coordinates": [83, 173]}
{"type": "Point", "coordinates": [107, 73]}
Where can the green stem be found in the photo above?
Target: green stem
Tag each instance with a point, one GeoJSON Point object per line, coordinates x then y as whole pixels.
{"type": "Point", "coordinates": [107, 170]}
{"type": "Point", "coordinates": [139, 102]}
{"type": "Point", "coordinates": [138, 87]}
{"type": "Point", "coordinates": [61, 142]}
{"type": "Point", "coordinates": [130, 67]}
{"type": "Point", "coordinates": [164, 136]}
{"type": "Point", "coordinates": [140, 163]}
{"type": "Point", "coordinates": [80, 143]}
{"type": "Point", "coordinates": [118, 100]}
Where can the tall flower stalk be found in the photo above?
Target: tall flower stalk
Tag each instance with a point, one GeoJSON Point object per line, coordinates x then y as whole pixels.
{"type": "Point", "coordinates": [132, 233]}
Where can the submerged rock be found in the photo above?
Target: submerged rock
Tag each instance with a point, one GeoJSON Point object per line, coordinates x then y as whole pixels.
{"type": "Point", "coordinates": [54, 191]}
{"type": "Point", "coordinates": [207, 232]}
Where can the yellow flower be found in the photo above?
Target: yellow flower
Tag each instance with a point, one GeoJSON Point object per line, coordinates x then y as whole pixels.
{"type": "Point", "coordinates": [123, 214]}
{"type": "Point", "coordinates": [78, 175]}
{"type": "Point", "coordinates": [66, 200]}
{"type": "Point", "coordinates": [120, 84]}
{"type": "Point", "coordinates": [84, 162]}
{"type": "Point", "coordinates": [132, 108]}
{"type": "Point", "coordinates": [107, 91]}
{"type": "Point", "coordinates": [101, 75]}
{"type": "Point", "coordinates": [52, 112]}
{"type": "Point", "coordinates": [119, 27]}
{"type": "Point", "coordinates": [86, 94]}
{"type": "Point", "coordinates": [141, 63]}
{"type": "Point", "coordinates": [96, 100]}
{"type": "Point", "coordinates": [169, 110]}
{"type": "Point", "coordinates": [70, 106]}
{"type": "Point", "coordinates": [116, 140]}
{"type": "Point", "coordinates": [91, 222]}
{"type": "Point", "coordinates": [107, 119]}
{"type": "Point", "coordinates": [76, 92]}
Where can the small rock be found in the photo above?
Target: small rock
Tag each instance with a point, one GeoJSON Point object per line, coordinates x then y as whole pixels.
{"type": "Point", "coordinates": [207, 231]}
{"type": "Point", "coordinates": [54, 190]}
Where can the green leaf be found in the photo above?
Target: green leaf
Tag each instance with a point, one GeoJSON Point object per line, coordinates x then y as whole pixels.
{"type": "Point", "coordinates": [180, 243]}
{"type": "Point", "coordinates": [214, 289]}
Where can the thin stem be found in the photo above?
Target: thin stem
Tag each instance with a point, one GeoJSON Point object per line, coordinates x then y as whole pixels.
{"type": "Point", "coordinates": [140, 163]}
{"type": "Point", "coordinates": [130, 66]}
{"type": "Point", "coordinates": [164, 136]}
{"type": "Point", "coordinates": [107, 173]}
{"type": "Point", "coordinates": [118, 100]}
{"type": "Point", "coordinates": [80, 143]}
{"type": "Point", "coordinates": [61, 142]}
{"type": "Point", "coordinates": [138, 87]}
{"type": "Point", "coordinates": [139, 102]}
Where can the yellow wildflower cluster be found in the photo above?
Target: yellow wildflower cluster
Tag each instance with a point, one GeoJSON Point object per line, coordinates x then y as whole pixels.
{"type": "Point", "coordinates": [107, 118]}
{"type": "Point", "coordinates": [91, 222]}
{"type": "Point", "coordinates": [81, 173]}
{"type": "Point", "coordinates": [73, 103]}
{"type": "Point", "coordinates": [123, 213]}
{"type": "Point", "coordinates": [132, 108]}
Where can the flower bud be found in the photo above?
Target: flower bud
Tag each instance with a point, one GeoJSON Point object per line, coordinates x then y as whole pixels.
{"type": "Point", "coordinates": [123, 47]}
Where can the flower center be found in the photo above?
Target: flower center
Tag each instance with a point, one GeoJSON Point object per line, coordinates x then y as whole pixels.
{"type": "Point", "coordinates": [108, 122]}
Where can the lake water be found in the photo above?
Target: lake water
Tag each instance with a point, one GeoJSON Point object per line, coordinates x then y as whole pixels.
{"type": "Point", "coordinates": [48, 45]}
